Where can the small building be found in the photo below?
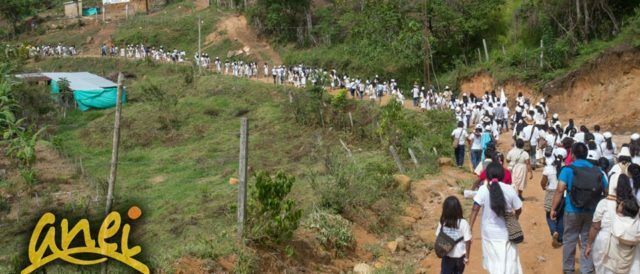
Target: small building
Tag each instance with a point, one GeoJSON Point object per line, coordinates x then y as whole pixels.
{"type": "Point", "coordinates": [90, 91]}
{"type": "Point", "coordinates": [73, 9]}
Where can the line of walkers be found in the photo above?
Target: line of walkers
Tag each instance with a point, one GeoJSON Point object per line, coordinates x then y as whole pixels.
{"type": "Point", "coordinates": [592, 191]}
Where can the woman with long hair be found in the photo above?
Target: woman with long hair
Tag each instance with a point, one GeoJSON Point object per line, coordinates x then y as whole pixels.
{"type": "Point", "coordinates": [624, 160]}
{"type": "Point", "coordinates": [549, 184]}
{"type": "Point", "coordinates": [608, 148]}
{"type": "Point", "coordinates": [500, 255]}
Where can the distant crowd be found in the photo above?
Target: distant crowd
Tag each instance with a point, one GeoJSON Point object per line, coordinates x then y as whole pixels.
{"type": "Point", "coordinates": [50, 50]}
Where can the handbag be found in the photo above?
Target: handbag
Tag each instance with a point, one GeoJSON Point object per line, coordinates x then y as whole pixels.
{"type": "Point", "coordinates": [513, 227]}
{"type": "Point", "coordinates": [456, 141]}
{"type": "Point", "coordinates": [444, 243]}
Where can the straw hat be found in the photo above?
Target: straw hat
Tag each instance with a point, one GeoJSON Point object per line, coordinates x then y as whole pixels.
{"type": "Point", "coordinates": [624, 151]}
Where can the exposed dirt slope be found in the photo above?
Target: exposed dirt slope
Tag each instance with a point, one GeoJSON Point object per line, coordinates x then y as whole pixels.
{"type": "Point", "coordinates": [483, 81]}
{"type": "Point", "coordinates": [236, 28]}
{"type": "Point", "coordinates": [604, 91]}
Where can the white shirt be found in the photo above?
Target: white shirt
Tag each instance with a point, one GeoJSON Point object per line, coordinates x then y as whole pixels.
{"type": "Point", "coordinates": [463, 231]}
{"type": "Point", "coordinates": [609, 154]}
{"type": "Point", "coordinates": [460, 134]}
{"type": "Point", "coordinates": [493, 227]}
{"type": "Point", "coordinates": [476, 141]}
{"type": "Point", "coordinates": [598, 138]}
{"type": "Point", "coordinates": [579, 137]}
{"type": "Point", "coordinates": [552, 176]}
{"type": "Point", "coordinates": [530, 133]}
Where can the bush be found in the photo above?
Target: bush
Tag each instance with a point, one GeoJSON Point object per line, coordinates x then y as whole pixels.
{"type": "Point", "coordinates": [332, 230]}
{"type": "Point", "coordinates": [272, 217]}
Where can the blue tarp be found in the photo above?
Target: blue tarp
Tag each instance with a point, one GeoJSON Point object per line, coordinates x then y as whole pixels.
{"type": "Point", "coordinates": [89, 90]}
{"type": "Point", "coordinates": [89, 11]}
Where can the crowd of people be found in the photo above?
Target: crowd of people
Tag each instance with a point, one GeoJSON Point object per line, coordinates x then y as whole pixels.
{"type": "Point", "coordinates": [50, 50]}
{"type": "Point", "coordinates": [591, 186]}
{"type": "Point", "coordinates": [141, 51]}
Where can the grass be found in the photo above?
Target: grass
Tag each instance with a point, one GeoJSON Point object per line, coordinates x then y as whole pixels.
{"type": "Point", "coordinates": [177, 156]}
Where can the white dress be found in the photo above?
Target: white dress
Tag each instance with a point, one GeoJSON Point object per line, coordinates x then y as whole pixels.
{"type": "Point", "coordinates": [499, 255]}
{"type": "Point", "coordinates": [604, 214]}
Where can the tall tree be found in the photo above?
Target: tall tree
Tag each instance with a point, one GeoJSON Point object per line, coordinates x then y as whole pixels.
{"type": "Point", "coordinates": [15, 11]}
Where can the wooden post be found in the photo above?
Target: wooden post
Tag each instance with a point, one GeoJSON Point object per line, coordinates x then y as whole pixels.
{"type": "Point", "coordinates": [486, 51]}
{"type": "Point", "coordinates": [396, 158]}
{"type": "Point", "coordinates": [242, 175]}
{"type": "Point", "coordinates": [413, 157]}
{"type": "Point", "coordinates": [435, 151]}
{"type": "Point", "coordinates": [114, 154]}
{"type": "Point", "coordinates": [346, 148]}
{"type": "Point", "coordinates": [351, 120]}
{"type": "Point", "coordinates": [479, 56]}
{"type": "Point", "coordinates": [199, 46]}
{"type": "Point", "coordinates": [504, 52]}
{"type": "Point", "coordinates": [541, 54]}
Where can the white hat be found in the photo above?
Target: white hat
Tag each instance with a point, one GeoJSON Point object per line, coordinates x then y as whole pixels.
{"type": "Point", "coordinates": [464, 94]}
{"type": "Point", "coordinates": [635, 136]}
{"type": "Point", "coordinates": [555, 116]}
{"type": "Point", "coordinates": [624, 151]}
{"type": "Point", "coordinates": [487, 128]}
{"type": "Point", "coordinates": [486, 119]}
{"type": "Point", "coordinates": [607, 135]}
{"type": "Point", "coordinates": [478, 126]}
{"type": "Point", "coordinates": [542, 100]}
{"type": "Point", "coordinates": [593, 155]}
{"type": "Point", "coordinates": [560, 152]}
{"type": "Point", "coordinates": [446, 87]}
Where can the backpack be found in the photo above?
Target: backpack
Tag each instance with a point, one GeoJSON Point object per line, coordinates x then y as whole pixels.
{"type": "Point", "coordinates": [586, 190]}
{"type": "Point", "coordinates": [444, 243]}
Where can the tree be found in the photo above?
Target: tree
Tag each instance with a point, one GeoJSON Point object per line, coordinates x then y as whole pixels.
{"type": "Point", "coordinates": [15, 11]}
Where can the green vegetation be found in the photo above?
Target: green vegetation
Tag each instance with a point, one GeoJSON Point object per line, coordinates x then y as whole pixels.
{"type": "Point", "coordinates": [179, 149]}
{"type": "Point", "coordinates": [332, 230]}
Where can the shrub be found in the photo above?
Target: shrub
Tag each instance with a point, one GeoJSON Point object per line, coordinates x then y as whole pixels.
{"type": "Point", "coordinates": [272, 217]}
{"type": "Point", "coordinates": [332, 230]}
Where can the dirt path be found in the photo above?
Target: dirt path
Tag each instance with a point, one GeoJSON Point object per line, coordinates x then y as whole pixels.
{"type": "Point", "coordinates": [236, 28]}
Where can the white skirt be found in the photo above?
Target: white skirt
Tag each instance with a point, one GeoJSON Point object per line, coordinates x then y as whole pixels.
{"type": "Point", "coordinates": [500, 257]}
{"type": "Point", "coordinates": [635, 266]}
{"type": "Point", "coordinates": [598, 250]}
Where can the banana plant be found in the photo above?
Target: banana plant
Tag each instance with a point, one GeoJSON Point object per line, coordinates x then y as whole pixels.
{"type": "Point", "coordinates": [21, 143]}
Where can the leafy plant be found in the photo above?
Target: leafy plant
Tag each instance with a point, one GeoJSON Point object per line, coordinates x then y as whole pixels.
{"type": "Point", "coordinates": [332, 230]}
{"type": "Point", "coordinates": [273, 217]}
{"type": "Point", "coordinates": [29, 175]}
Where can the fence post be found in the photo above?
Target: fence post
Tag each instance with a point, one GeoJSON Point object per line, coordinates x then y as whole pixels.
{"type": "Point", "coordinates": [242, 175]}
{"type": "Point", "coordinates": [114, 154]}
{"type": "Point", "coordinates": [396, 158]}
{"type": "Point", "coordinates": [413, 157]}
{"type": "Point", "coordinates": [486, 51]}
{"type": "Point", "coordinates": [479, 56]}
{"type": "Point", "coordinates": [351, 120]}
{"type": "Point", "coordinates": [346, 148]}
{"type": "Point", "coordinates": [541, 53]}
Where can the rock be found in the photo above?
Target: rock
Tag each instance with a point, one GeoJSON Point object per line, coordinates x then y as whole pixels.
{"type": "Point", "coordinates": [403, 182]}
{"type": "Point", "coordinates": [406, 221]}
{"type": "Point", "coordinates": [392, 246]}
{"type": "Point", "coordinates": [427, 236]}
{"type": "Point", "coordinates": [444, 161]}
{"type": "Point", "coordinates": [400, 243]}
{"type": "Point", "coordinates": [362, 268]}
{"type": "Point", "coordinates": [233, 181]}
{"type": "Point", "coordinates": [413, 212]}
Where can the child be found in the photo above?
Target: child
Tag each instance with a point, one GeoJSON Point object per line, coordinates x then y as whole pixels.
{"type": "Point", "coordinates": [452, 224]}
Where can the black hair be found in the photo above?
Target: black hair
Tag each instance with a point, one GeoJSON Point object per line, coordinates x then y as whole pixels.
{"type": "Point", "coordinates": [460, 124]}
{"type": "Point", "coordinates": [603, 163]}
{"type": "Point", "coordinates": [634, 172]}
{"type": "Point", "coordinates": [451, 212]}
{"type": "Point", "coordinates": [498, 203]}
{"type": "Point", "coordinates": [580, 151]}
{"type": "Point", "coordinates": [519, 143]}
{"type": "Point", "coordinates": [623, 188]}
{"type": "Point", "coordinates": [609, 143]}
{"type": "Point", "coordinates": [584, 129]}
{"type": "Point", "coordinates": [591, 144]}
{"type": "Point", "coordinates": [557, 163]}
{"type": "Point", "coordinates": [630, 208]}
{"type": "Point", "coordinates": [596, 128]}
{"type": "Point", "coordinates": [489, 152]}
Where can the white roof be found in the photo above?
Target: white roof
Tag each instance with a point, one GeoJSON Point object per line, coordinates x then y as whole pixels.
{"type": "Point", "coordinates": [81, 80]}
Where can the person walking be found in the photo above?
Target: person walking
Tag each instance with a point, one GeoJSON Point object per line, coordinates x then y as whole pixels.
{"type": "Point", "coordinates": [458, 136]}
{"type": "Point", "coordinates": [520, 166]}
{"type": "Point", "coordinates": [455, 226]}
{"type": "Point", "coordinates": [496, 199]}
{"type": "Point", "coordinates": [600, 232]}
{"type": "Point", "coordinates": [549, 184]}
{"type": "Point", "coordinates": [584, 185]}
{"type": "Point", "coordinates": [475, 144]}
{"type": "Point", "coordinates": [530, 135]}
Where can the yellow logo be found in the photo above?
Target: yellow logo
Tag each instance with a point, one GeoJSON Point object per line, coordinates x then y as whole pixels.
{"type": "Point", "coordinates": [109, 228]}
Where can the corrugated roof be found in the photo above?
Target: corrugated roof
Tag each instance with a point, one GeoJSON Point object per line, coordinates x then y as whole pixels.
{"type": "Point", "coordinates": [81, 80]}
